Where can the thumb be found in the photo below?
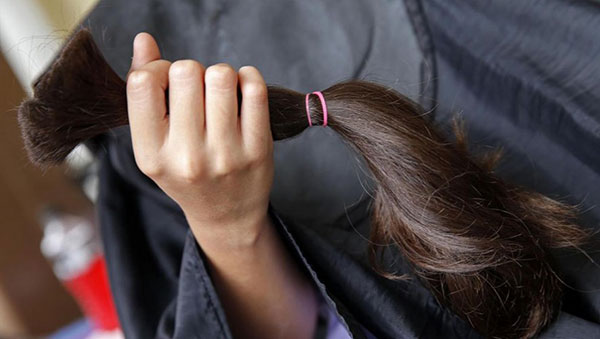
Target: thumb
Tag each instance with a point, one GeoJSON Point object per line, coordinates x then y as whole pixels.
{"type": "Point", "coordinates": [145, 50]}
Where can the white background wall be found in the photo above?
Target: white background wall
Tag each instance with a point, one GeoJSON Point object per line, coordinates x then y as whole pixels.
{"type": "Point", "coordinates": [32, 31]}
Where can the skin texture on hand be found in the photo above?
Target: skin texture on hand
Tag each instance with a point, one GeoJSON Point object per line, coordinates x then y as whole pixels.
{"type": "Point", "coordinates": [217, 163]}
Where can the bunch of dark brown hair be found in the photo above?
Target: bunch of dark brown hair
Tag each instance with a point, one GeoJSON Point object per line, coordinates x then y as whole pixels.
{"type": "Point", "coordinates": [481, 245]}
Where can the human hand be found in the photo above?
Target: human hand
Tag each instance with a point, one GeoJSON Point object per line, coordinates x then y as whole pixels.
{"type": "Point", "coordinates": [217, 165]}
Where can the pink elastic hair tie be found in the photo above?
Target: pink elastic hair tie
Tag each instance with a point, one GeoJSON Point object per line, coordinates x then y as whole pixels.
{"type": "Point", "coordinates": [323, 105]}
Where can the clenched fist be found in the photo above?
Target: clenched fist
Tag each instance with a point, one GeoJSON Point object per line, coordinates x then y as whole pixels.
{"type": "Point", "coordinates": [214, 160]}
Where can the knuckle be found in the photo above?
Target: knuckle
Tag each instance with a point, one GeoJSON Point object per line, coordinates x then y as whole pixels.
{"type": "Point", "coordinates": [150, 167]}
{"type": "Point", "coordinates": [255, 160]}
{"type": "Point", "coordinates": [224, 166]}
{"type": "Point", "coordinates": [255, 92]}
{"type": "Point", "coordinates": [183, 69]}
{"type": "Point", "coordinates": [189, 170]}
{"type": "Point", "coordinates": [259, 156]}
{"type": "Point", "coordinates": [249, 72]}
{"type": "Point", "coordinates": [248, 69]}
{"type": "Point", "coordinates": [140, 80]}
{"type": "Point", "coordinates": [220, 76]}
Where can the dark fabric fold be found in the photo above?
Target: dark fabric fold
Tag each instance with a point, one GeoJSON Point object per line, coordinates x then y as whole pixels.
{"type": "Point", "coordinates": [523, 74]}
{"type": "Point", "coordinates": [524, 77]}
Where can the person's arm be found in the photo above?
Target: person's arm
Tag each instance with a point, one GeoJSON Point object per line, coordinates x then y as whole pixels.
{"type": "Point", "coordinates": [263, 292]}
{"type": "Point", "coordinates": [217, 164]}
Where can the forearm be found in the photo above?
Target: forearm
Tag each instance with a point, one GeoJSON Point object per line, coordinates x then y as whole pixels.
{"type": "Point", "coordinates": [263, 291]}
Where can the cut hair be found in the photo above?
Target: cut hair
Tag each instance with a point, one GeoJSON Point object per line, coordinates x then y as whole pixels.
{"type": "Point", "coordinates": [481, 245]}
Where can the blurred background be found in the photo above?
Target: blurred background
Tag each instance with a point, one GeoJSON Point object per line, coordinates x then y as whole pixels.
{"type": "Point", "coordinates": [52, 275]}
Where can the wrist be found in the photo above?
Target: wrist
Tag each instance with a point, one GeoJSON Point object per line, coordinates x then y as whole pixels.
{"type": "Point", "coordinates": [229, 234]}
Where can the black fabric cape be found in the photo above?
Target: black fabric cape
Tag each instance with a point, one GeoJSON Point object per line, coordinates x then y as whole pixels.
{"type": "Point", "coordinates": [522, 73]}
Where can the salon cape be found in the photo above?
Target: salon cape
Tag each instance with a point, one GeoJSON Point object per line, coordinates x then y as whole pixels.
{"type": "Point", "coordinates": [524, 75]}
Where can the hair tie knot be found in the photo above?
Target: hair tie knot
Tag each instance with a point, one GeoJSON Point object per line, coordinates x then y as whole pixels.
{"type": "Point", "coordinates": [323, 105]}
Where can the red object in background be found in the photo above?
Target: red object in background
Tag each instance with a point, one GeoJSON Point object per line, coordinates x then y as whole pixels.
{"type": "Point", "coordinates": [73, 247]}
{"type": "Point", "coordinates": [91, 290]}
